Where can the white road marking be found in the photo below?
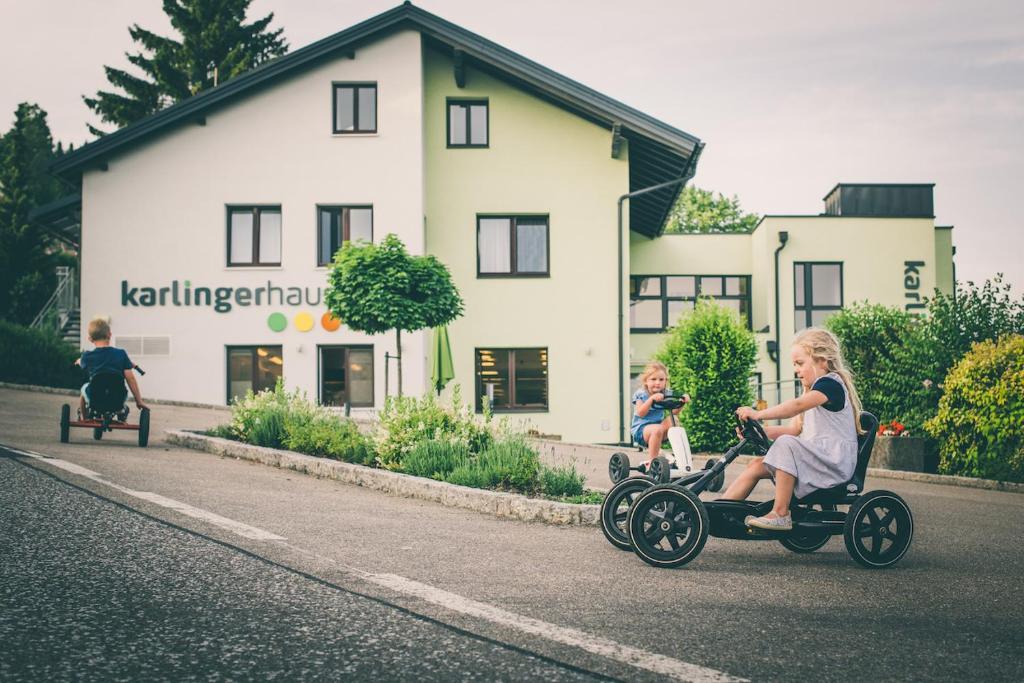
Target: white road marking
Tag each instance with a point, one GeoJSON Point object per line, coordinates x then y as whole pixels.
{"type": "Point", "coordinates": [238, 528]}
{"type": "Point", "coordinates": [634, 657]}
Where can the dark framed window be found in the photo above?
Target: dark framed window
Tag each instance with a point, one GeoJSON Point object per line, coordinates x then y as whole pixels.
{"type": "Point", "coordinates": [657, 301]}
{"type": "Point", "coordinates": [468, 123]}
{"type": "Point", "coordinates": [346, 375]}
{"type": "Point", "coordinates": [254, 235]}
{"type": "Point", "coordinates": [253, 368]}
{"type": "Point", "coordinates": [512, 379]}
{"type": "Point", "coordinates": [817, 292]}
{"type": "Point", "coordinates": [512, 246]}
{"type": "Point", "coordinates": [339, 224]}
{"type": "Point", "coordinates": [354, 108]}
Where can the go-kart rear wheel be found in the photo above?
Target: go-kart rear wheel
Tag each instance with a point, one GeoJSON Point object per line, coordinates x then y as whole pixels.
{"type": "Point", "coordinates": [615, 510]}
{"type": "Point", "coordinates": [718, 482]}
{"type": "Point", "coordinates": [143, 427]}
{"type": "Point", "coordinates": [65, 423]}
{"type": "Point", "coordinates": [661, 469]}
{"type": "Point", "coordinates": [668, 526]}
{"type": "Point", "coordinates": [97, 433]}
{"type": "Point", "coordinates": [878, 530]}
{"type": "Point", "coordinates": [810, 541]}
{"type": "Point", "coordinates": [618, 467]}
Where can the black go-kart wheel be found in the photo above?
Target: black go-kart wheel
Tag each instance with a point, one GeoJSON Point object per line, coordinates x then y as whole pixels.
{"type": "Point", "coordinates": [65, 423]}
{"type": "Point", "coordinates": [810, 541]}
{"type": "Point", "coordinates": [618, 467]}
{"type": "Point", "coordinates": [668, 526]}
{"type": "Point", "coordinates": [97, 433]}
{"type": "Point", "coordinates": [615, 510]}
{"type": "Point", "coordinates": [143, 427]}
{"type": "Point", "coordinates": [661, 470]}
{"type": "Point", "coordinates": [718, 482]}
{"type": "Point", "coordinates": [878, 530]}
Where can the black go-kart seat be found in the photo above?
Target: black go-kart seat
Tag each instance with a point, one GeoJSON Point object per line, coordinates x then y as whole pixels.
{"type": "Point", "coordinates": [107, 392]}
{"type": "Point", "coordinates": [865, 442]}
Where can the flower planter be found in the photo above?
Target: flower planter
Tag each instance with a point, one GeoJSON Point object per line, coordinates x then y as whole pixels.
{"type": "Point", "coordinates": [898, 453]}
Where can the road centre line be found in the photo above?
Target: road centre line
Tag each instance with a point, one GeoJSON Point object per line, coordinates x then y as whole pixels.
{"type": "Point", "coordinates": [640, 659]}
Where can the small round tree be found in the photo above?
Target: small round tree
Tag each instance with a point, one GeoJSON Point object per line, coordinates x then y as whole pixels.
{"type": "Point", "coordinates": [710, 355]}
{"type": "Point", "coordinates": [375, 288]}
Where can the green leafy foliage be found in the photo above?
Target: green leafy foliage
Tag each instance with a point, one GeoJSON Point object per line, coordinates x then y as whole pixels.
{"type": "Point", "coordinates": [561, 482]}
{"type": "Point", "coordinates": [375, 288]}
{"type": "Point", "coordinates": [509, 464]}
{"type": "Point", "coordinates": [28, 256]}
{"type": "Point", "coordinates": [33, 356]}
{"type": "Point", "coordinates": [215, 45]}
{"type": "Point", "coordinates": [701, 211]}
{"type": "Point", "coordinates": [326, 435]}
{"type": "Point", "coordinates": [710, 355]}
{"type": "Point", "coordinates": [871, 336]}
{"type": "Point", "coordinates": [980, 420]}
{"type": "Point", "coordinates": [405, 422]}
{"type": "Point", "coordinates": [435, 459]}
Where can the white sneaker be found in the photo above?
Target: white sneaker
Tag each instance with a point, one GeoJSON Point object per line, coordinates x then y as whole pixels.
{"type": "Point", "coordinates": [770, 523]}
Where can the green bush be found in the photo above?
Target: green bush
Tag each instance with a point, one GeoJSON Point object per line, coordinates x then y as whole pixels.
{"type": "Point", "coordinates": [871, 336]}
{"type": "Point", "coordinates": [37, 357]}
{"type": "Point", "coordinates": [260, 418]}
{"type": "Point", "coordinates": [408, 421]}
{"type": "Point", "coordinates": [435, 459]}
{"type": "Point", "coordinates": [710, 355]}
{"type": "Point", "coordinates": [980, 421]}
{"type": "Point", "coordinates": [559, 482]}
{"type": "Point", "coordinates": [222, 432]}
{"type": "Point", "coordinates": [510, 464]}
{"type": "Point", "coordinates": [327, 436]}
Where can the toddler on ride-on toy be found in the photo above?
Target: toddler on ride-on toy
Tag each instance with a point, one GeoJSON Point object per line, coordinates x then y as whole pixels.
{"type": "Point", "coordinates": [650, 425]}
{"type": "Point", "coordinates": [105, 359]}
{"type": "Point", "coordinates": [818, 448]}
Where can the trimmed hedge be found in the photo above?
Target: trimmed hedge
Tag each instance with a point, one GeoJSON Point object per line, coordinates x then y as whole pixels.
{"type": "Point", "coordinates": [980, 424]}
{"type": "Point", "coordinates": [36, 357]}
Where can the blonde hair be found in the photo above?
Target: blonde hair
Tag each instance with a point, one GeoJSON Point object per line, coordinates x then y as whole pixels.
{"type": "Point", "coordinates": [651, 368]}
{"type": "Point", "coordinates": [99, 329]}
{"type": "Point", "coordinates": [823, 345]}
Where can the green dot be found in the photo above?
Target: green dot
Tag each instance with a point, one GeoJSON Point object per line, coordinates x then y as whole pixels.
{"type": "Point", "coordinates": [277, 322]}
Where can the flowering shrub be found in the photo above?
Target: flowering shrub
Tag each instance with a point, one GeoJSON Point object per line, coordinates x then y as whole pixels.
{"type": "Point", "coordinates": [894, 428]}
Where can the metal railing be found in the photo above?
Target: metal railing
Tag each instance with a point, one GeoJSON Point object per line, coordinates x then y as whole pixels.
{"type": "Point", "coordinates": [62, 302]}
{"type": "Point", "coordinates": [784, 389]}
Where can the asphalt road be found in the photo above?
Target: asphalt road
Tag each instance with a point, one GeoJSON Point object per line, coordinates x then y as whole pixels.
{"type": "Point", "coordinates": [119, 563]}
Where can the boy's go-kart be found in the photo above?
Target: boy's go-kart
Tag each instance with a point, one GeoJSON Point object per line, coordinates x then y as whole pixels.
{"type": "Point", "coordinates": [107, 410]}
{"type": "Point", "coordinates": [668, 525]}
{"type": "Point", "coordinates": [661, 467]}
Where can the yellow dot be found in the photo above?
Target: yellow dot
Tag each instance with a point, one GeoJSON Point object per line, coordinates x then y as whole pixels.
{"type": "Point", "coordinates": [303, 322]}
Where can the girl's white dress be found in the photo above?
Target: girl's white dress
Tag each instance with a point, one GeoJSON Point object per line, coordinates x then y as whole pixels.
{"type": "Point", "coordinates": [825, 453]}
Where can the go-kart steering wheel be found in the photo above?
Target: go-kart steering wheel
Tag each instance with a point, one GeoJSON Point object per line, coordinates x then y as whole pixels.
{"type": "Point", "coordinates": [670, 402]}
{"type": "Point", "coordinates": [753, 431]}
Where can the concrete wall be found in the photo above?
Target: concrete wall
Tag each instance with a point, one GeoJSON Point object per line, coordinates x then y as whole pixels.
{"type": "Point", "coordinates": [541, 160]}
{"type": "Point", "coordinates": [159, 214]}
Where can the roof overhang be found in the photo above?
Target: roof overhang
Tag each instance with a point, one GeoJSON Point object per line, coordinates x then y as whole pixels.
{"type": "Point", "coordinates": [658, 152]}
{"type": "Point", "coordinates": [61, 218]}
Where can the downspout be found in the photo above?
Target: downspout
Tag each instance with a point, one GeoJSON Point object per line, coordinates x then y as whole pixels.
{"type": "Point", "coordinates": [691, 169]}
{"type": "Point", "coordinates": [783, 238]}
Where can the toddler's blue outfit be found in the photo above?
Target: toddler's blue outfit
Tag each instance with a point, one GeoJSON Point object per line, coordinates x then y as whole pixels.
{"type": "Point", "coordinates": [654, 416]}
{"type": "Point", "coordinates": [103, 359]}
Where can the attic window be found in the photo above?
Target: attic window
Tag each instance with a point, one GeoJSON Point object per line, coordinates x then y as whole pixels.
{"type": "Point", "coordinates": [468, 123]}
{"type": "Point", "coordinates": [355, 108]}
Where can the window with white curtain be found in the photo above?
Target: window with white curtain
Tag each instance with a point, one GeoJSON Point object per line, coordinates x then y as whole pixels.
{"type": "Point", "coordinates": [512, 246]}
{"type": "Point", "coordinates": [254, 236]}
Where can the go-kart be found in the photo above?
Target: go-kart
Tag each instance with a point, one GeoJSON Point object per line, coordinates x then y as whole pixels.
{"type": "Point", "coordinates": [668, 525]}
{"type": "Point", "coordinates": [661, 468]}
{"type": "Point", "coordinates": [106, 410]}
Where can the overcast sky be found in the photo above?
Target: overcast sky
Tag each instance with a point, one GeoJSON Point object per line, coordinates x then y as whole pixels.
{"type": "Point", "coordinates": [790, 97]}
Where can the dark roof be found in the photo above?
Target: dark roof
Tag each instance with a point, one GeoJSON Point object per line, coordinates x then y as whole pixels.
{"type": "Point", "coordinates": [60, 218]}
{"type": "Point", "coordinates": [658, 152]}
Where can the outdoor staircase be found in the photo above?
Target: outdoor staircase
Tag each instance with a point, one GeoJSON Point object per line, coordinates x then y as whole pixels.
{"type": "Point", "coordinates": [71, 328]}
{"type": "Point", "coordinates": [62, 313]}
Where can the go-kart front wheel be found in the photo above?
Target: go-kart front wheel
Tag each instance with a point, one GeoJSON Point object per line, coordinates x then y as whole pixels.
{"type": "Point", "coordinates": [618, 467]}
{"type": "Point", "coordinates": [65, 423]}
{"type": "Point", "coordinates": [97, 433]}
{"type": "Point", "coordinates": [668, 526]}
{"type": "Point", "coordinates": [878, 530]}
{"type": "Point", "coordinates": [809, 541]}
{"type": "Point", "coordinates": [615, 510]}
{"type": "Point", "coordinates": [661, 470]}
{"type": "Point", "coordinates": [718, 482]}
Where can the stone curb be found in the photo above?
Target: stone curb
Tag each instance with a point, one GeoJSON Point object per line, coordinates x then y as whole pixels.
{"type": "Point", "coordinates": [506, 505]}
{"type": "Point", "coordinates": [947, 480]}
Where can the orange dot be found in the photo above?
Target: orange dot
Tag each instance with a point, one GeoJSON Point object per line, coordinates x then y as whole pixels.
{"type": "Point", "coordinates": [329, 322]}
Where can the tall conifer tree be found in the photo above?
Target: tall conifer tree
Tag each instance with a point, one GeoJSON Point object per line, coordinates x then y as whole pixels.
{"type": "Point", "coordinates": [215, 45]}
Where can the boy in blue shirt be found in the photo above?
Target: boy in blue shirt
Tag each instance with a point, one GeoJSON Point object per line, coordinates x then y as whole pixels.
{"type": "Point", "coordinates": [105, 359]}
